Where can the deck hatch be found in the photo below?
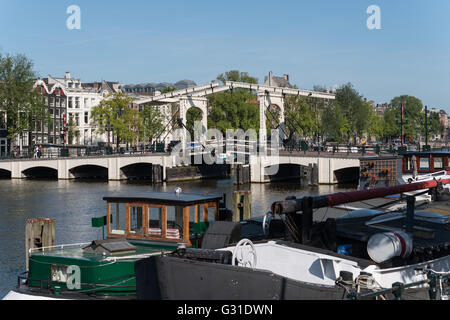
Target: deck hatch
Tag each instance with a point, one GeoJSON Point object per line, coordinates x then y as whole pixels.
{"type": "Point", "coordinates": [110, 246]}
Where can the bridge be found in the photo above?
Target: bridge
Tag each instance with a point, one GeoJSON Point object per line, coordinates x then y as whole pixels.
{"type": "Point", "coordinates": [320, 169]}
{"type": "Point", "coordinates": [268, 97]}
{"type": "Point", "coordinates": [325, 168]}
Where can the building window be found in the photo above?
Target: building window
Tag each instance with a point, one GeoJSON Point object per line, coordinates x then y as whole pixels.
{"type": "Point", "coordinates": [70, 103]}
{"type": "Point", "coordinates": [77, 102]}
{"type": "Point", "coordinates": [86, 117]}
{"type": "Point", "coordinates": [86, 102]}
{"type": "Point", "coordinates": [70, 84]}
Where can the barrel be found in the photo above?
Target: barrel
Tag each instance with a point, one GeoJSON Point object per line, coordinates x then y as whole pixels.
{"type": "Point", "coordinates": [385, 246]}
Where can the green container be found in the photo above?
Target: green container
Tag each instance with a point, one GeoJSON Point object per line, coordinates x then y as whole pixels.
{"type": "Point", "coordinates": [99, 222]}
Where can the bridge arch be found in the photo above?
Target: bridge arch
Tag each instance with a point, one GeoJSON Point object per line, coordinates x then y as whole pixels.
{"type": "Point", "coordinates": [283, 172]}
{"type": "Point", "coordinates": [89, 171]}
{"type": "Point", "coordinates": [194, 115]}
{"type": "Point", "coordinates": [347, 175]}
{"type": "Point", "coordinates": [5, 174]}
{"type": "Point", "coordinates": [191, 106]}
{"type": "Point", "coordinates": [137, 171]}
{"type": "Point", "coordinates": [40, 172]}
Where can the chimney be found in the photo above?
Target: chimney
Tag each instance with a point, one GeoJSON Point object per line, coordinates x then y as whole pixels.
{"type": "Point", "coordinates": [286, 77]}
{"type": "Point", "coordinates": [270, 78]}
{"type": "Point", "coordinates": [67, 75]}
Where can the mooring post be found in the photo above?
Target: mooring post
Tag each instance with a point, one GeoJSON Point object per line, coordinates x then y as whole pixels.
{"type": "Point", "coordinates": [39, 233]}
{"type": "Point", "coordinates": [410, 207]}
{"type": "Point", "coordinates": [242, 205]}
{"type": "Point", "coordinates": [307, 219]}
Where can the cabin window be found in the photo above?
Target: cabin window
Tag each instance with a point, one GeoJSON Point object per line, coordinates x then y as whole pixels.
{"type": "Point", "coordinates": [174, 222]}
{"type": "Point", "coordinates": [155, 217]}
{"type": "Point", "coordinates": [439, 163]}
{"type": "Point", "coordinates": [424, 163]}
{"type": "Point", "coordinates": [192, 217]}
{"type": "Point", "coordinates": [155, 222]}
{"type": "Point", "coordinates": [136, 219]}
{"type": "Point", "coordinates": [206, 213]}
{"type": "Point", "coordinates": [117, 218]}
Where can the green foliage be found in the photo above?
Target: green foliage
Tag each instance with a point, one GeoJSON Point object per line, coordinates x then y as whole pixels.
{"type": "Point", "coordinates": [114, 111]}
{"type": "Point", "coordinates": [72, 131]}
{"type": "Point", "coordinates": [236, 76]}
{"type": "Point", "coordinates": [354, 110]}
{"type": "Point", "coordinates": [335, 123]}
{"type": "Point", "coordinates": [434, 126]}
{"type": "Point", "coordinates": [23, 105]}
{"type": "Point", "coordinates": [412, 114]}
{"type": "Point", "coordinates": [168, 89]}
{"type": "Point", "coordinates": [233, 110]}
{"type": "Point", "coordinates": [299, 117]}
{"type": "Point", "coordinates": [151, 120]}
{"type": "Point", "coordinates": [193, 115]}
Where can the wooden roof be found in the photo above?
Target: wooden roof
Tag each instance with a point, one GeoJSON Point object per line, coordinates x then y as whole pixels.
{"type": "Point", "coordinates": [167, 198]}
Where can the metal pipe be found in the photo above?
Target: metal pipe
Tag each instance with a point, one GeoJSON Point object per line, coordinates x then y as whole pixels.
{"type": "Point", "coordinates": [292, 206]}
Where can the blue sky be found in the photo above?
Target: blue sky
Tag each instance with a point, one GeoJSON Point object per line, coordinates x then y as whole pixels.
{"type": "Point", "coordinates": [322, 42]}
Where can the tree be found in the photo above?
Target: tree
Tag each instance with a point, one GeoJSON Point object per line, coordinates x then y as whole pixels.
{"type": "Point", "coordinates": [299, 117]}
{"type": "Point", "coordinates": [354, 110]}
{"type": "Point", "coordinates": [234, 110]}
{"type": "Point", "coordinates": [412, 114]}
{"type": "Point", "coordinates": [168, 89]}
{"type": "Point", "coordinates": [434, 126]}
{"type": "Point", "coordinates": [390, 128]}
{"type": "Point", "coordinates": [335, 124]}
{"type": "Point", "coordinates": [375, 127]}
{"type": "Point", "coordinates": [151, 123]}
{"type": "Point", "coordinates": [113, 113]}
{"type": "Point", "coordinates": [73, 132]}
{"type": "Point", "coordinates": [193, 115]}
{"type": "Point", "coordinates": [24, 106]}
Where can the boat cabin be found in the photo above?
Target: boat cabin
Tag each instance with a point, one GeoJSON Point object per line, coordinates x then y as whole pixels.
{"type": "Point", "coordinates": [162, 217]}
{"type": "Point", "coordinates": [426, 162]}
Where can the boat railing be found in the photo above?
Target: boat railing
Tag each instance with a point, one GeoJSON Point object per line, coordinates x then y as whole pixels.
{"type": "Point", "coordinates": [435, 281]}
{"type": "Point", "coordinates": [60, 246]}
{"type": "Point", "coordinates": [57, 288]}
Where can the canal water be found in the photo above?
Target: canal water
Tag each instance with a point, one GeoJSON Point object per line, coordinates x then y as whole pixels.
{"type": "Point", "coordinates": [72, 204]}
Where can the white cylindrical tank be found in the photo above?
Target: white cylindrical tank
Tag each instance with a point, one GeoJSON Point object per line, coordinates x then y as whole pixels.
{"type": "Point", "coordinates": [384, 246]}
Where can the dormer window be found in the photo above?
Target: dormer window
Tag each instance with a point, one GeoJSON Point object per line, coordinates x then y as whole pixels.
{"type": "Point", "coordinates": [70, 85]}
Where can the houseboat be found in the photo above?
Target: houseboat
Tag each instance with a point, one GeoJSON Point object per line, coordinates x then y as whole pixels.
{"type": "Point", "coordinates": [364, 254]}
{"type": "Point", "coordinates": [408, 167]}
{"type": "Point", "coordinates": [136, 227]}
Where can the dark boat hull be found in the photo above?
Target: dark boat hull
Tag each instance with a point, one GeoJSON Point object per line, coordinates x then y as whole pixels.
{"type": "Point", "coordinates": [172, 278]}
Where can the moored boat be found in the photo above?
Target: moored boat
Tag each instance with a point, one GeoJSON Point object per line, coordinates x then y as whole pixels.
{"type": "Point", "coordinates": [405, 253]}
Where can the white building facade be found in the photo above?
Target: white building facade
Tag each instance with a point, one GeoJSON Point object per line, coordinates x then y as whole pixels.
{"type": "Point", "coordinates": [80, 98]}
